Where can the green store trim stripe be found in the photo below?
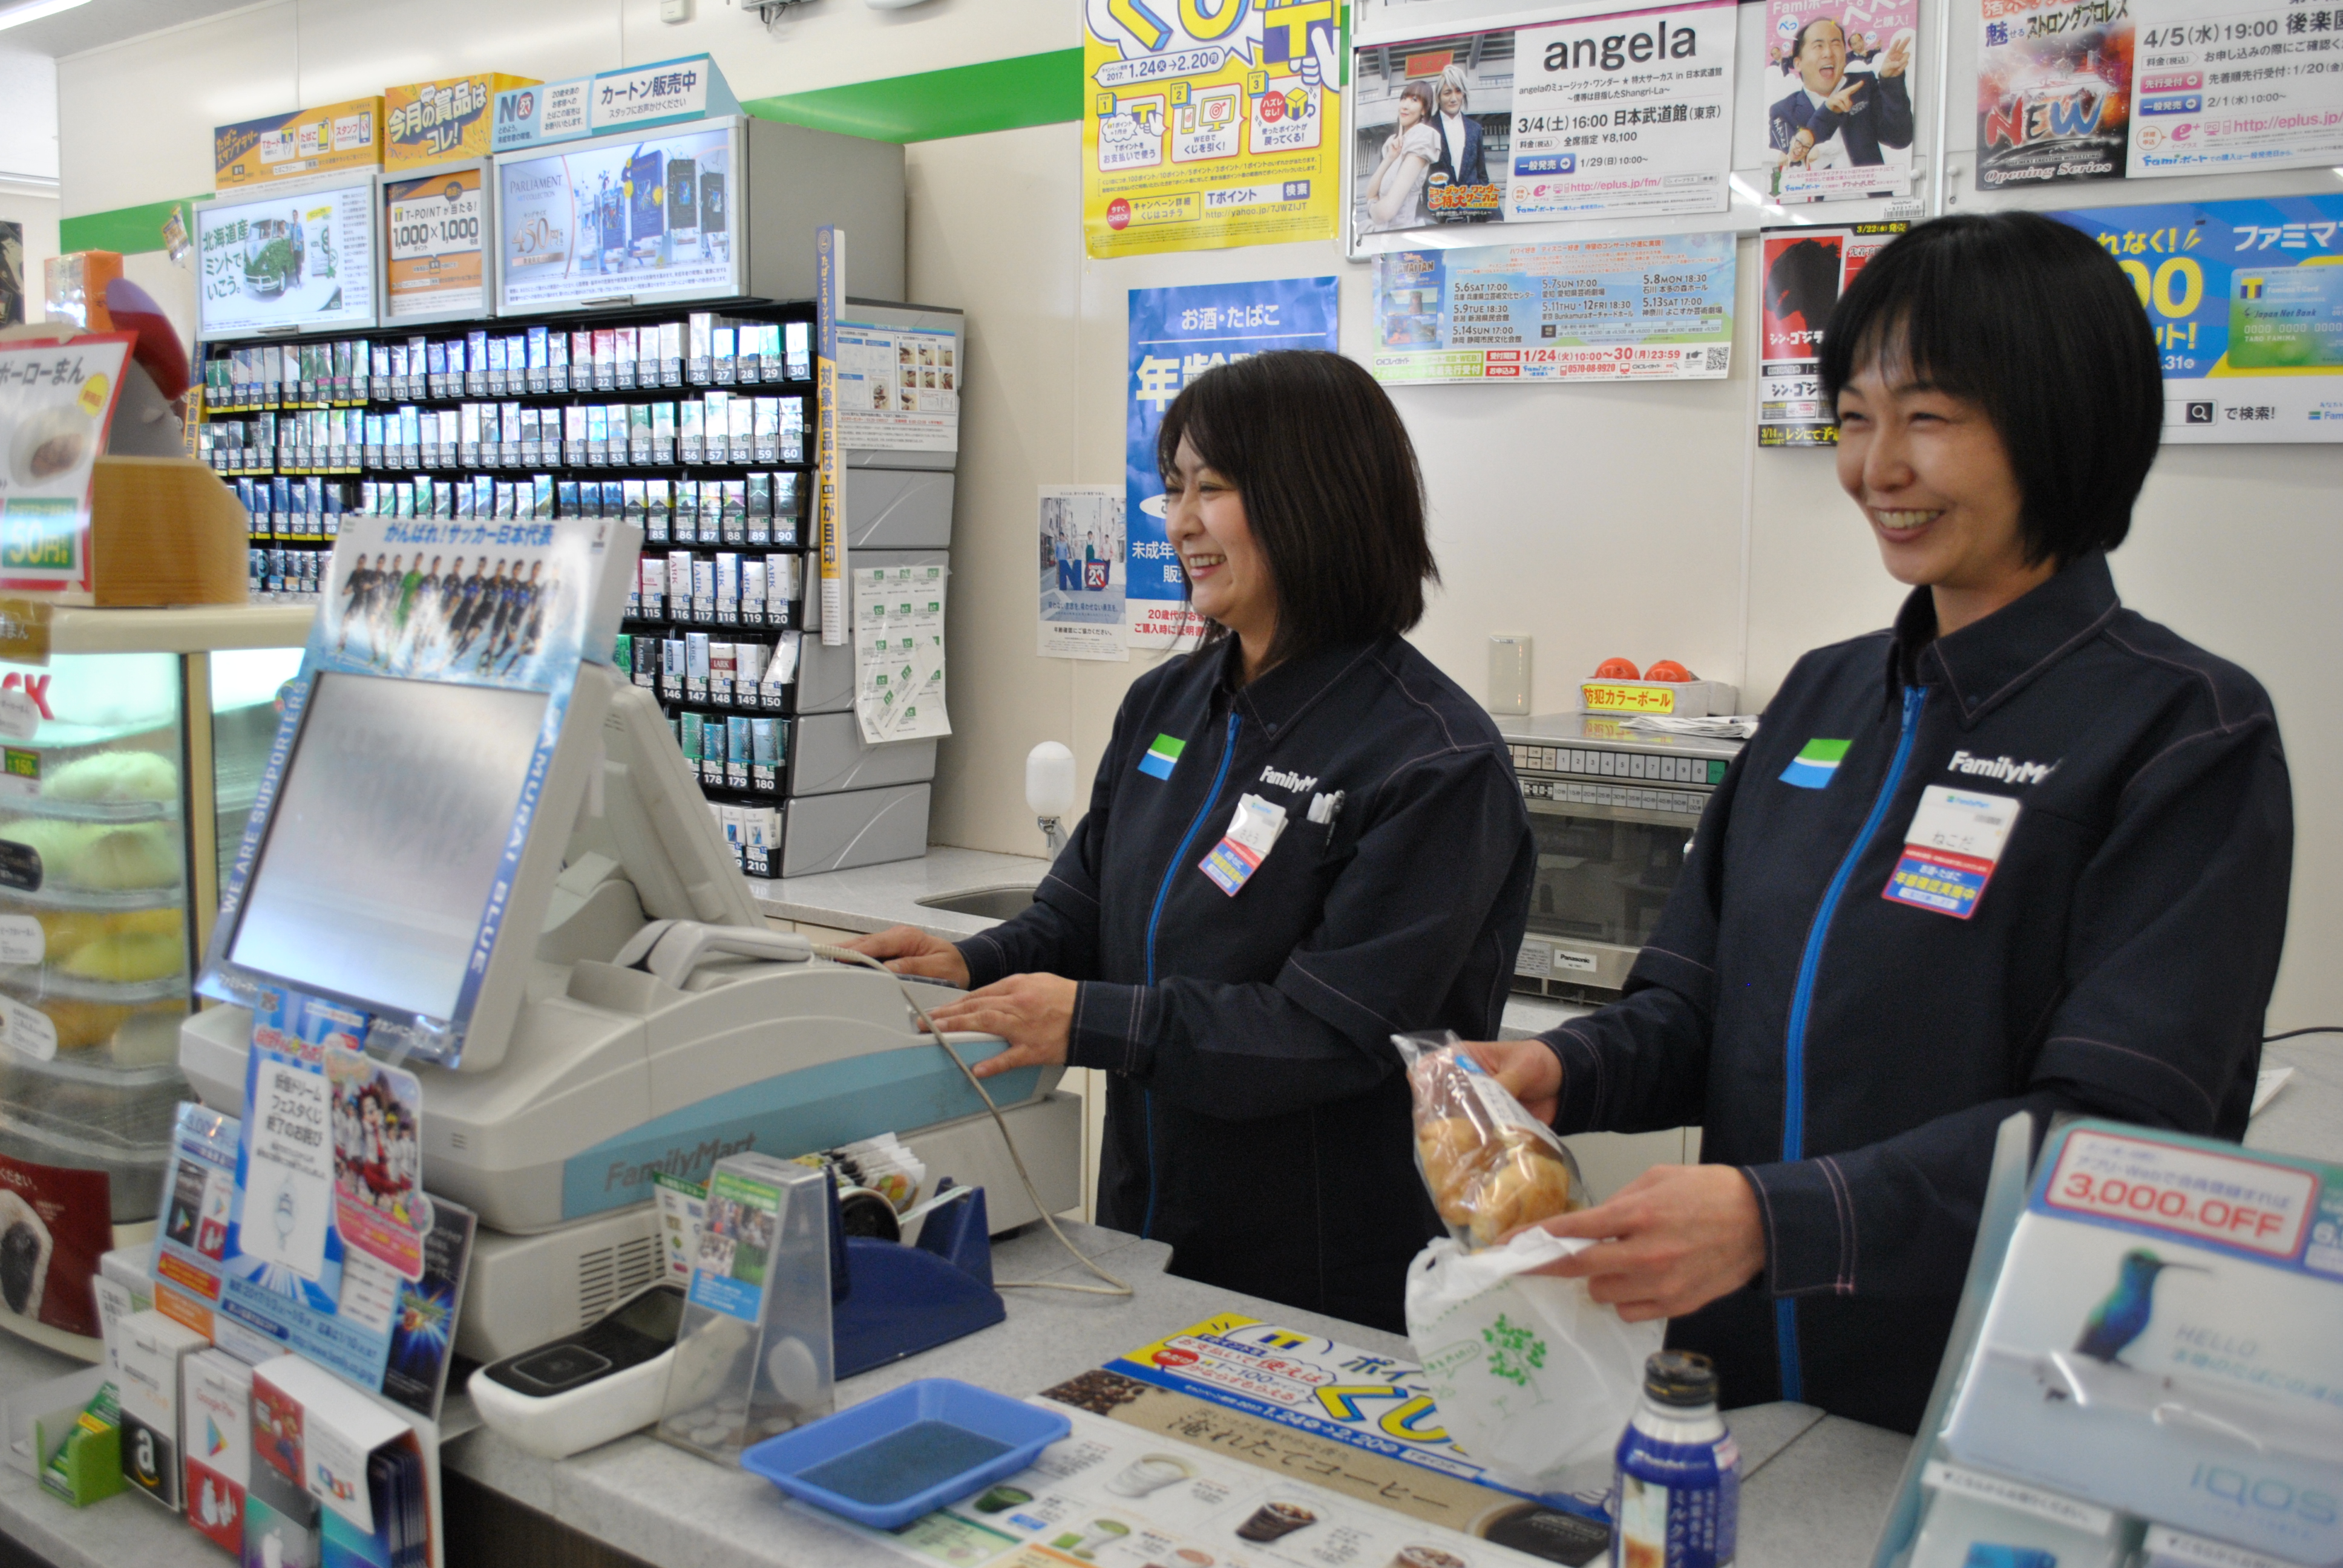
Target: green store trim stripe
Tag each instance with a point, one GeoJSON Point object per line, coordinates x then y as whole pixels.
{"type": "Point", "coordinates": [128, 229]}
{"type": "Point", "coordinates": [964, 101]}
{"type": "Point", "coordinates": [1009, 94]}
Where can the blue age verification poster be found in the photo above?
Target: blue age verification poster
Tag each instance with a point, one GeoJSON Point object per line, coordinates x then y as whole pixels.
{"type": "Point", "coordinates": [2247, 301]}
{"type": "Point", "coordinates": [1177, 335]}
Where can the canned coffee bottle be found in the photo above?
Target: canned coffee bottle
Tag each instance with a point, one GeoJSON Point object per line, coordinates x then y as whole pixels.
{"type": "Point", "coordinates": [1677, 1497]}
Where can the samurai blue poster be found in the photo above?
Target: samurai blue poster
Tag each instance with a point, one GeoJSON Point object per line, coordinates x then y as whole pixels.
{"type": "Point", "coordinates": [1177, 335]}
{"type": "Point", "coordinates": [508, 607]}
{"type": "Point", "coordinates": [2247, 301]}
{"type": "Point", "coordinates": [1658, 307]}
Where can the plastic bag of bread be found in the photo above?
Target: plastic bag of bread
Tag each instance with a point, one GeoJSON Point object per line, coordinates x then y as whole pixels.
{"type": "Point", "coordinates": [1490, 1165]}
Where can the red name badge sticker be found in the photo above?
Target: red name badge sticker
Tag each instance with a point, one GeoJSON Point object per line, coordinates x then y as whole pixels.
{"type": "Point", "coordinates": [1252, 832]}
{"type": "Point", "coordinates": [1950, 851]}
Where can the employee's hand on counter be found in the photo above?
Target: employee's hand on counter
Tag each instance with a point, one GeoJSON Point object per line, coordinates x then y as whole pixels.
{"type": "Point", "coordinates": [1034, 1013]}
{"type": "Point", "coordinates": [1673, 1240]}
{"type": "Point", "coordinates": [1529, 1070]}
{"type": "Point", "coordinates": [910, 950]}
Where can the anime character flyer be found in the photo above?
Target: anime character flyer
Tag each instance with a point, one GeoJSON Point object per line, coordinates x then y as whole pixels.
{"type": "Point", "coordinates": [1206, 129]}
{"type": "Point", "coordinates": [377, 1120]}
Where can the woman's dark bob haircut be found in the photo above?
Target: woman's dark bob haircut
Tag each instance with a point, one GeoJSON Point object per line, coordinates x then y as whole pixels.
{"type": "Point", "coordinates": [1331, 489]}
{"type": "Point", "coordinates": [2033, 322]}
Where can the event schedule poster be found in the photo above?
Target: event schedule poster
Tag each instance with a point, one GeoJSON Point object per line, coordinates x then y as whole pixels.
{"type": "Point", "coordinates": [2247, 301]}
{"type": "Point", "coordinates": [1176, 335]}
{"type": "Point", "coordinates": [1833, 105]}
{"type": "Point", "coordinates": [434, 247]}
{"type": "Point", "coordinates": [2054, 91]}
{"type": "Point", "coordinates": [1623, 114]}
{"type": "Point", "coordinates": [1083, 565]}
{"type": "Point", "coordinates": [2235, 85]}
{"type": "Point", "coordinates": [1208, 128]}
{"type": "Point", "coordinates": [1656, 307]}
{"type": "Point", "coordinates": [1806, 271]}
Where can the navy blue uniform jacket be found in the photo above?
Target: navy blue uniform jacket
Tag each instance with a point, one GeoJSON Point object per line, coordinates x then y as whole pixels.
{"type": "Point", "coordinates": [1854, 1056]}
{"type": "Point", "coordinates": [1882, 118]}
{"type": "Point", "coordinates": [1257, 1117]}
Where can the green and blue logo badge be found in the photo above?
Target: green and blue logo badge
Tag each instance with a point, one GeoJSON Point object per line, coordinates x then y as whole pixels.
{"type": "Point", "coordinates": [1818, 765]}
{"type": "Point", "coordinates": [1163, 756]}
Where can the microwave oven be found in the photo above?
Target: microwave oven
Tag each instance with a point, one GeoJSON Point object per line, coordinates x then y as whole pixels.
{"type": "Point", "coordinates": [1613, 811]}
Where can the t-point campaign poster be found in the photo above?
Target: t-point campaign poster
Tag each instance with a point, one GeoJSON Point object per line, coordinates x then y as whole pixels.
{"type": "Point", "coordinates": [1177, 335]}
{"type": "Point", "coordinates": [1207, 127]}
{"type": "Point", "coordinates": [2247, 301]}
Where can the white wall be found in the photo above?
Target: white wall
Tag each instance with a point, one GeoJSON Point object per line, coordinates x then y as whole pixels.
{"type": "Point", "coordinates": [28, 160]}
{"type": "Point", "coordinates": [1634, 520]}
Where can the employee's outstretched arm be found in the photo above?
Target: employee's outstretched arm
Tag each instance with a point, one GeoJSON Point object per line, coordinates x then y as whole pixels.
{"type": "Point", "coordinates": [2173, 941]}
{"type": "Point", "coordinates": [1397, 927]}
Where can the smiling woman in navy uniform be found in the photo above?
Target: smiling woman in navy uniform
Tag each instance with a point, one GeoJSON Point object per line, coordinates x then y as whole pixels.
{"type": "Point", "coordinates": [2025, 851]}
{"type": "Point", "coordinates": [1257, 1117]}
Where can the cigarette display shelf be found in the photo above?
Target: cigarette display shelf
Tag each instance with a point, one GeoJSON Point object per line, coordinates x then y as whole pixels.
{"type": "Point", "coordinates": [263, 424]}
{"type": "Point", "coordinates": [723, 517]}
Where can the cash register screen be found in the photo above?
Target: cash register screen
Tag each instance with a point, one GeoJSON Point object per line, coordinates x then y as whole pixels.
{"type": "Point", "coordinates": [386, 839]}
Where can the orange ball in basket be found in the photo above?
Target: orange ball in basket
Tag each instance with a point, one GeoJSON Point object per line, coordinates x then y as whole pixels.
{"type": "Point", "coordinates": [1617, 669]}
{"type": "Point", "coordinates": [1667, 670]}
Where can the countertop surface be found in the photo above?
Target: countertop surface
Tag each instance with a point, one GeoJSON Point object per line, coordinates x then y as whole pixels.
{"type": "Point", "coordinates": [1815, 1487]}
{"type": "Point", "coordinates": [872, 898]}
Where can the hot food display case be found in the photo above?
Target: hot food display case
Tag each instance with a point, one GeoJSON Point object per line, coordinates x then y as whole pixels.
{"type": "Point", "coordinates": [131, 746]}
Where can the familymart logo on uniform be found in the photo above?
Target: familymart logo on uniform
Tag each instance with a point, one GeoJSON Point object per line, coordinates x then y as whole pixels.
{"type": "Point", "coordinates": [1818, 765]}
{"type": "Point", "coordinates": [2001, 768]}
{"type": "Point", "coordinates": [1163, 756]}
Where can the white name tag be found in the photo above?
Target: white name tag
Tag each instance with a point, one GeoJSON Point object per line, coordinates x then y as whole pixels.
{"type": "Point", "coordinates": [1253, 833]}
{"type": "Point", "coordinates": [1950, 851]}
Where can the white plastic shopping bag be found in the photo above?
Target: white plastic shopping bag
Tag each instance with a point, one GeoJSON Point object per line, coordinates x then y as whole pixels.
{"type": "Point", "coordinates": [1533, 1378]}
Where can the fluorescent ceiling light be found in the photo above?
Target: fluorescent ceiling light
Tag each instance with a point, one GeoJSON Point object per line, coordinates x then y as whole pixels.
{"type": "Point", "coordinates": [33, 10]}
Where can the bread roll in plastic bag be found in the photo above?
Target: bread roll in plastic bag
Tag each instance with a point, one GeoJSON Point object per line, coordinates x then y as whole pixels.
{"type": "Point", "coordinates": [1490, 1165]}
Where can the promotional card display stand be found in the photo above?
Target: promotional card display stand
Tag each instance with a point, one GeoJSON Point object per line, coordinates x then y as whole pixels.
{"type": "Point", "coordinates": [2143, 1368]}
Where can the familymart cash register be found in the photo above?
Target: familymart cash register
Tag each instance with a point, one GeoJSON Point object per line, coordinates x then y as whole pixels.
{"type": "Point", "coordinates": [580, 1077]}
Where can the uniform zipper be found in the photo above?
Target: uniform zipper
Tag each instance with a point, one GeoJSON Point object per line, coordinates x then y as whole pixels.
{"type": "Point", "coordinates": [1794, 1110]}
{"type": "Point", "coordinates": [1154, 919]}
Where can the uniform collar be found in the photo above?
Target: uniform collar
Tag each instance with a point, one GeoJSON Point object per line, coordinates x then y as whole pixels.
{"type": "Point", "coordinates": [1279, 699]}
{"type": "Point", "coordinates": [1987, 662]}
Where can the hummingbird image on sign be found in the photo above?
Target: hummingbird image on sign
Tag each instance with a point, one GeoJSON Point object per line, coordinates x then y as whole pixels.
{"type": "Point", "coordinates": [2122, 1317]}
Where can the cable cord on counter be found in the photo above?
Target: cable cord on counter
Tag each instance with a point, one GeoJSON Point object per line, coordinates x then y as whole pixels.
{"type": "Point", "coordinates": [1114, 1287]}
{"type": "Point", "coordinates": [2314, 1028]}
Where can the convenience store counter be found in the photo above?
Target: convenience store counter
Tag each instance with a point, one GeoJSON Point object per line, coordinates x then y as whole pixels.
{"type": "Point", "coordinates": [1815, 1487]}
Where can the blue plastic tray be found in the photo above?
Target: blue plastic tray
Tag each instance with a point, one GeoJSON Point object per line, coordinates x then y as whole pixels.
{"type": "Point", "coordinates": [1027, 1430]}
